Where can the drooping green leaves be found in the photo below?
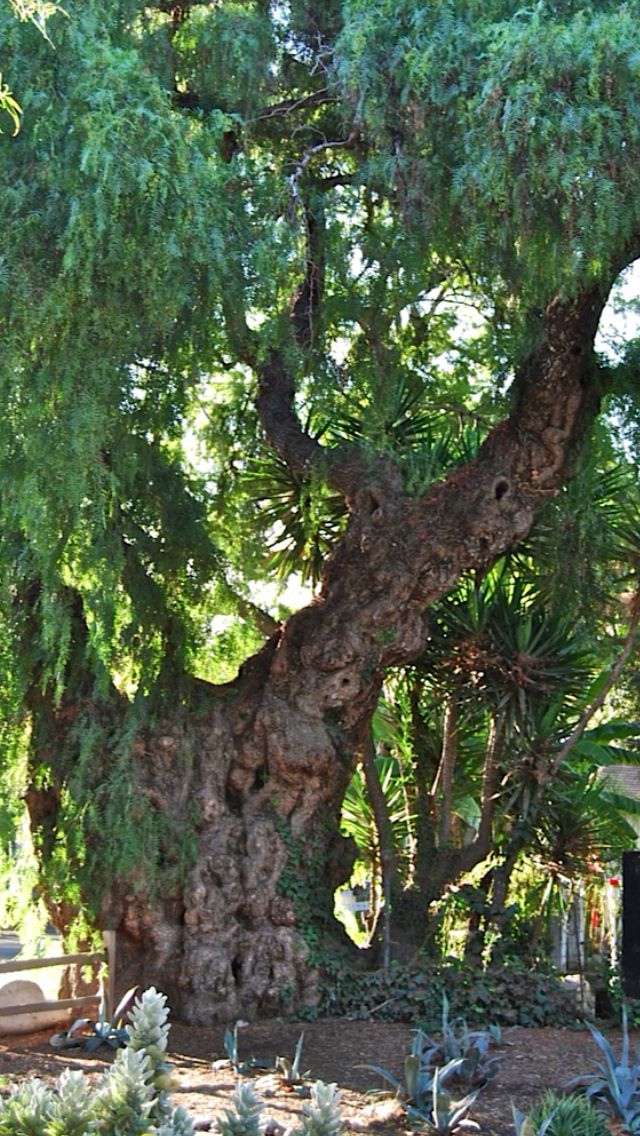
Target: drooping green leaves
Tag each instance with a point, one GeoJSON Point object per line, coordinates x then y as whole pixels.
{"type": "Point", "coordinates": [431, 174]}
{"type": "Point", "coordinates": [514, 128]}
{"type": "Point", "coordinates": [226, 56]}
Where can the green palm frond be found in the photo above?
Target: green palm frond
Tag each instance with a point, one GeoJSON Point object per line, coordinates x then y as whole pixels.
{"type": "Point", "coordinates": [499, 644]}
{"type": "Point", "coordinates": [357, 814]}
{"type": "Point", "coordinates": [580, 821]}
{"type": "Point", "coordinates": [585, 543]}
{"type": "Point", "coordinates": [601, 744]}
{"type": "Point", "coordinates": [299, 518]}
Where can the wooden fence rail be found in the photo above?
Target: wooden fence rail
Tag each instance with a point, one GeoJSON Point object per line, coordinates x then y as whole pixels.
{"type": "Point", "coordinates": [107, 991]}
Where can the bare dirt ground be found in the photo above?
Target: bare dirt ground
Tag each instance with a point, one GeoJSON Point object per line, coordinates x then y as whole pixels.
{"type": "Point", "coordinates": [333, 1051]}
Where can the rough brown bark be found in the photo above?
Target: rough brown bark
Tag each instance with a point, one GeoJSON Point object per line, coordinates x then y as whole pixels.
{"type": "Point", "coordinates": [259, 768]}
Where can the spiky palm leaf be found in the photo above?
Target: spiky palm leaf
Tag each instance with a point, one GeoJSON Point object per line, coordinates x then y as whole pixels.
{"type": "Point", "coordinates": [299, 519]}
{"type": "Point", "coordinates": [497, 644]}
{"type": "Point", "coordinates": [580, 822]}
{"type": "Point", "coordinates": [358, 820]}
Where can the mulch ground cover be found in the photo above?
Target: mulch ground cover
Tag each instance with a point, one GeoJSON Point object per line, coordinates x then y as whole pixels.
{"type": "Point", "coordinates": [333, 1051]}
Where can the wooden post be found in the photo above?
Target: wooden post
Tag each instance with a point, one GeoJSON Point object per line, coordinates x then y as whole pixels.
{"type": "Point", "coordinates": [110, 988]}
{"type": "Point", "coordinates": [631, 924]}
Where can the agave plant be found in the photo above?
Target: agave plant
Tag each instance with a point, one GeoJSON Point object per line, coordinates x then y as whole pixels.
{"type": "Point", "coordinates": [289, 1071]}
{"type": "Point", "coordinates": [231, 1047]}
{"type": "Point", "coordinates": [469, 1047]}
{"type": "Point", "coordinates": [617, 1083]}
{"type": "Point", "coordinates": [417, 1084]}
{"type": "Point", "coordinates": [424, 1092]}
{"type": "Point", "coordinates": [446, 1113]}
{"type": "Point", "coordinates": [85, 1034]}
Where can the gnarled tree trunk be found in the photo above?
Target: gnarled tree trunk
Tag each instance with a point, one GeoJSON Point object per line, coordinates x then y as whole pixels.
{"type": "Point", "coordinates": [257, 769]}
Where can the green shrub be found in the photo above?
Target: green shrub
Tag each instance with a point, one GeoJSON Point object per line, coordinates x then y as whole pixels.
{"type": "Point", "coordinates": [561, 1116]}
{"type": "Point", "coordinates": [506, 995]}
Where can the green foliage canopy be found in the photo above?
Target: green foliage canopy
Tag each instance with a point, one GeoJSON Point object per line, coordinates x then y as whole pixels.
{"type": "Point", "coordinates": [195, 187]}
{"type": "Point", "coordinates": [156, 198]}
{"type": "Point", "coordinates": [513, 128]}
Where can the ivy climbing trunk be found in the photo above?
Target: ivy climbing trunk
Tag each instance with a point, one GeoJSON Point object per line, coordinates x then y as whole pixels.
{"type": "Point", "coordinates": [254, 773]}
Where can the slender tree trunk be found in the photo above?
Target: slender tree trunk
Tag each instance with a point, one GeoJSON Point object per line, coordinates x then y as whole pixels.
{"type": "Point", "coordinates": [388, 865]}
{"type": "Point", "coordinates": [425, 806]}
{"type": "Point", "coordinates": [501, 878]}
{"type": "Point", "coordinates": [476, 927]}
{"type": "Point", "coordinates": [447, 769]}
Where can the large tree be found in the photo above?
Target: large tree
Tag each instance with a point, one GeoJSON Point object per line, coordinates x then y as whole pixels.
{"type": "Point", "coordinates": [262, 223]}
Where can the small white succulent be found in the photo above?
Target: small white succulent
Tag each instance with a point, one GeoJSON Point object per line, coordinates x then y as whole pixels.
{"type": "Point", "coordinates": [246, 1118]}
{"type": "Point", "coordinates": [322, 1117]}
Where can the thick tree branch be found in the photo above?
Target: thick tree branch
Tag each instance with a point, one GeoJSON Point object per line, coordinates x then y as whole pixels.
{"type": "Point", "coordinates": [276, 409]}
{"type": "Point", "coordinates": [364, 484]}
{"type": "Point", "coordinates": [308, 297]}
{"type": "Point", "coordinates": [398, 554]}
{"type": "Point", "coordinates": [481, 510]}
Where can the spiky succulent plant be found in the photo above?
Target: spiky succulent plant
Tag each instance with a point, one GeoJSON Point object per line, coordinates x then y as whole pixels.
{"type": "Point", "coordinates": [246, 1118]}
{"type": "Point", "coordinates": [130, 1098]}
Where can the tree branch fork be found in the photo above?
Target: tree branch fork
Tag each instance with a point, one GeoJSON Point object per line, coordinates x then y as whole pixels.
{"type": "Point", "coordinates": [399, 554]}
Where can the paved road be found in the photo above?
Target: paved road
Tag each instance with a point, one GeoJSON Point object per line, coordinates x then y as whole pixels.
{"type": "Point", "coordinates": [10, 945]}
